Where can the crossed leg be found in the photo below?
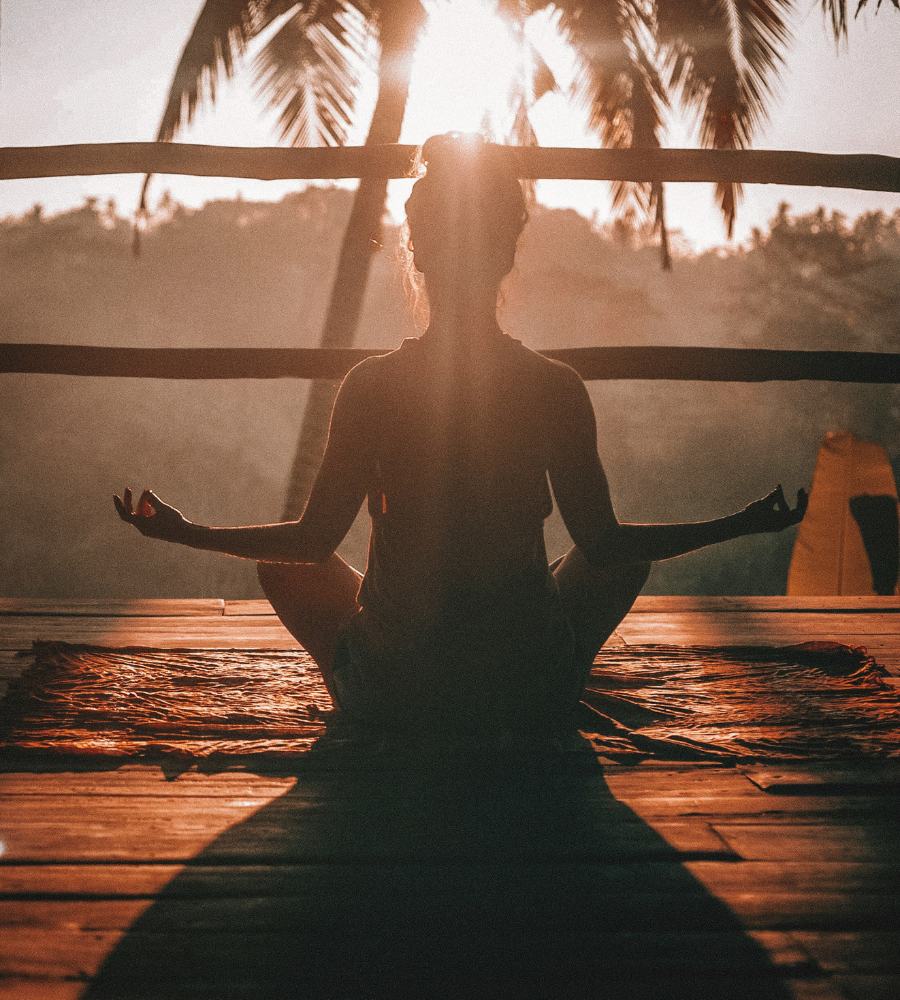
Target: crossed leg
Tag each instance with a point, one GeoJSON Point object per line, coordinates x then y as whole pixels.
{"type": "Point", "coordinates": [314, 601]}
{"type": "Point", "coordinates": [596, 600]}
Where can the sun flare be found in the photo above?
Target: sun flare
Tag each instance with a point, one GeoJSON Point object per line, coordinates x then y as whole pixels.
{"type": "Point", "coordinates": [464, 68]}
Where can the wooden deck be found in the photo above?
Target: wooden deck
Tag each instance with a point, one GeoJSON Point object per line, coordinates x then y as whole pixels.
{"type": "Point", "coordinates": [656, 880]}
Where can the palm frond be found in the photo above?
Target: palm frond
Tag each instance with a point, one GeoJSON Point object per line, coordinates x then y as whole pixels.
{"type": "Point", "coordinates": [724, 57]}
{"type": "Point", "coordinates": [836, 12]}
{"type": "Point", "coordinates": [217, 41]}
{"type": "Point", "coordinates": [310, 71]}
{"type": "Point", "coordinates": [521, 132]}
{"type": "Point", "coordinates": [542, 79]}
{"type": "Point", "coordinates": [532, 80]}
{"type": "Point", "coordinates": [219, 38]}
{"type": "Point", "coordinates": [620, 85]}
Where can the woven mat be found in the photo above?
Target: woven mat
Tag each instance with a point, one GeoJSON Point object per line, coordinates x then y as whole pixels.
{"type": "Point", "coordinates": [807, 702]}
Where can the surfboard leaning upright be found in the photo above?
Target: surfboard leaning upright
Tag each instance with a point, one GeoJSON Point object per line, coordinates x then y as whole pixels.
{"type": "Point", "coordinates": [830, 555]}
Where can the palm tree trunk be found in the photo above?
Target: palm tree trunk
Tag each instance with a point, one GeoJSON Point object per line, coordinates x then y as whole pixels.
{"type": "Point", "coordinates": [399, 30]}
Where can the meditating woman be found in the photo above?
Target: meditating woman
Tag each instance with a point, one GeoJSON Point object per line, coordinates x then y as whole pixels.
{"type": "Point", "coordinates": [455, 440]}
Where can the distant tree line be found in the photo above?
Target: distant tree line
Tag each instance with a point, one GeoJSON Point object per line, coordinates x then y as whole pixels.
{"type": "Point", "coordinates": [238, 273]}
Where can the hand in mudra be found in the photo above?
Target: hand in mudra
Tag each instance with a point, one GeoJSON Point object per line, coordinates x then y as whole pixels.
{"type": "Point", "coordinates": [152, 517]}
{"type": "Point", "coordinates": [772, 513]}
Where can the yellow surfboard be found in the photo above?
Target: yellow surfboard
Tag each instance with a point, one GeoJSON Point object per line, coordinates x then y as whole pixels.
{"type": "Point", "coordinates": [848, 541]}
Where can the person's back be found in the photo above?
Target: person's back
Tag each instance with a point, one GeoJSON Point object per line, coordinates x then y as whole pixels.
{"type": "Point", "coordinates": [457, 599]}
{"type": "Point", "coordinates": [460, 458]}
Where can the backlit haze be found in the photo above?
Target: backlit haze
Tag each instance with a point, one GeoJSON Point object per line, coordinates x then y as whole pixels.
{"type": "Point", "coordinates": [99, 72]}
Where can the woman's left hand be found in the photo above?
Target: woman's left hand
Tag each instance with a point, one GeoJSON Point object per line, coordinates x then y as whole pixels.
{"type": "Point", "coordinates": [772, 513]}
{"type": "Point", "coordinates": [152, 517]}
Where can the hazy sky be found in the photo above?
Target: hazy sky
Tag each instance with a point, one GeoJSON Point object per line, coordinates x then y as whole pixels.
{"type": "Point", "coordinates": [99, 72]}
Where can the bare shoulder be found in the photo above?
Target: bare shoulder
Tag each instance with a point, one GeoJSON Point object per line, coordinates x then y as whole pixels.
{"type": "Point", "coordinates": [368, 373]}
{"type": "Point", "coordinates": [558, 377]}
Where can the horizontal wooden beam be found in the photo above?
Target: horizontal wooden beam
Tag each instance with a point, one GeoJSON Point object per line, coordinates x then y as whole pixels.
{"type": "Point", "coordinates": [862, 171]}
{"type": "Point", "coordinates": [702, 364]}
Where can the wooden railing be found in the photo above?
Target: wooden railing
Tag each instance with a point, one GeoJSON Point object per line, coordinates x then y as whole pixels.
{"type": "Point", "coordinates": [702, 364]}
{"type": "Point", "coordinates": [867, 172]}
{"type": "Point", "coordinates": [864, 172]}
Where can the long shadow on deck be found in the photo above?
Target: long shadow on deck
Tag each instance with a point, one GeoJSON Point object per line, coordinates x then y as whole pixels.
{"type": "Point", "coordinates": [528, 880]}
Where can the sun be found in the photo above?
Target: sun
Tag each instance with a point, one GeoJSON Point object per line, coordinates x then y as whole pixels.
{"type": "Point", "coordinates": [464, 67]}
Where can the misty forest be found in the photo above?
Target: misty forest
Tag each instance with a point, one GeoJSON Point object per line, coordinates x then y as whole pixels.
{"type": "Point", "coordinates": [236, 273]}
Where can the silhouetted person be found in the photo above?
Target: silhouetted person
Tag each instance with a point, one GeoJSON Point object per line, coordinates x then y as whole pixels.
{"type": "Point", "coordinates": [452, 439]}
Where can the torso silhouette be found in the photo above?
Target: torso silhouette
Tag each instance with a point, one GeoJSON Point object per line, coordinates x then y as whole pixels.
{"type": "Point", "coordinates": [456, 446]}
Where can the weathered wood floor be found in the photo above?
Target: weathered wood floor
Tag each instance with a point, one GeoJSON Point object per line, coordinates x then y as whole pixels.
{"type": "Point", "coordinates": [527, 879]}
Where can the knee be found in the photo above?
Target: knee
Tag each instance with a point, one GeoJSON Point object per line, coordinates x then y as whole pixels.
{"type": "Point", "coordinates": [638, 572]}
{"type": "Point", "coordinates": [272, 576]}
{"type": "Point", "coordinates": [632, 578]}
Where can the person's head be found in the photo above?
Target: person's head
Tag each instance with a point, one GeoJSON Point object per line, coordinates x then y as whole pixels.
{"type": "Point", "coordinates": [464, 215]}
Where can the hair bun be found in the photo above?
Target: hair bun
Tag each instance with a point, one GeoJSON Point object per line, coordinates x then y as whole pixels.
{"type": "Point", "coordinates": [452, 149]}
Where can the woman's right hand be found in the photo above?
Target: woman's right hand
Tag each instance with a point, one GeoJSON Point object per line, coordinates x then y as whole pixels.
{"type": "Point", "coordinates": [152, 517]}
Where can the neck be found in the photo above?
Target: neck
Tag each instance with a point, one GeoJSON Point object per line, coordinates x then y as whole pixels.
{"type": "Point", "coordinates": [470, 312]}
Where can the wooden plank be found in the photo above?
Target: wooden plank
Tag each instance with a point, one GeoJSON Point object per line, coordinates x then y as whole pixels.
{"type": "Point", "coordinates": [850, 878]}
{"type": "Point", "coordinates": [864, 171]}
{"type": "Point", "coordinates": [308, 827]}
{"type": "Point", "coordinates": [811, 910]}
{"type": "Point", "coordinates": [763, 808]}
{"type": "Point", "coordinates": [871, 987]}
{"type": "Point", "coordinates": [104, 881]}
{"type": "Point", "coordinates": [637, 782]}
{"type": "Point", "coordinates": [662, 604]}
{"type": "Point", "coordinates": [117, 881]}
{"type": "Point", "coordinates": [209, 881]}
{"type": "Point", "coordinates": [254, 607]}
{"type": "Point", "coordinates": [265, 631]}
{"type": "Point", "coordinates": [55, 829]}
{"type": "Point", "coordinates": [209, 632]}
{"type": "Point", "coordinates": [821, 779]}
{"type": "Point", "coordinates": [19, 988]}
{"type": "Point", "coordinates": [142, 780]}
{"type": "Point", "coordinates": [645, 604]}
{"type": "Point", "coordinates": [582, 909]}
{"type": "Point", "coordinates": [150, 779]}
{"type": "Point", "coordinates": [705, 364]}
{"type": "Point", "coordinates": [786, 623]}
{"type": "Point", "coordinates": [877, 842]}
{"type": "Point", "coordinates": [106, 607]}
{"type": "Point", "coordinates": [813, 989]}
{"type": "Point", "coordinates": [60, 954]}
{"type": "Point", "coordinates": [853, 951]}
{"type": "Point", "coordinates": [261, 959]}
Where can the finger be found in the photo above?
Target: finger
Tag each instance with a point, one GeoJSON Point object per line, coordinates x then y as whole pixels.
{"type": "Point", "coordinates": [145, 507]}
{"type": "Point", "coordinates": [120, 508]}
{"type": "Point", "coordinates": [780, 502]}
{"type": "Point", "coordinates": [126, 500]}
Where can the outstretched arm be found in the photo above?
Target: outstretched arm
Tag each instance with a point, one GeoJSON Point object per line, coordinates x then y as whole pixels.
{"type": "Point", "coordinates": [334, 502]}
{"type": "Point", "coordinates": [651, 542]}
{"type": "Point", "coordinates": [582, 494]}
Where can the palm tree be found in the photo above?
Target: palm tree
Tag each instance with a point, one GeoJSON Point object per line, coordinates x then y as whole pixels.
{"type": "Point", "coordinates": [309, 70]}
{"type": "Point", "coordinates": [717, 58]}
